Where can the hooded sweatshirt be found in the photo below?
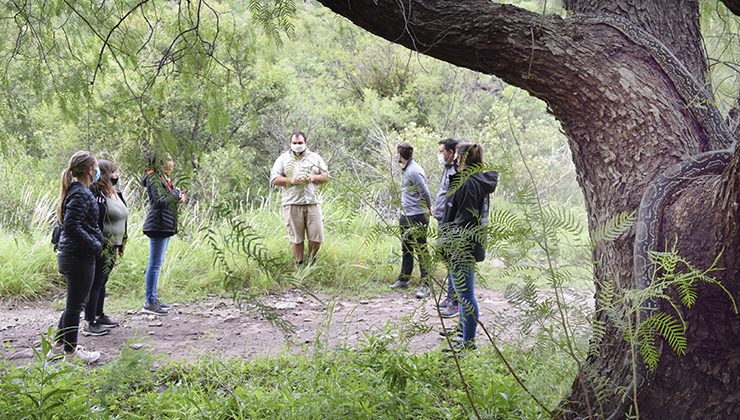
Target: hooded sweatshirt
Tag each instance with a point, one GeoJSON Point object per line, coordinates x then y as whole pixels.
{"type": "Point", "coordinates": [467, 208]}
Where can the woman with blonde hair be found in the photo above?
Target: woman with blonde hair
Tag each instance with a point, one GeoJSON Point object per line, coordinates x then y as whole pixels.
{"type": "Point", "coordinates": [80, 242]}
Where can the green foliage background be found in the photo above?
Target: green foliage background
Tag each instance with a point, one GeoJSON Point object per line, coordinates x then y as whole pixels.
{"type": "Point", "coordinates": [220, 86]}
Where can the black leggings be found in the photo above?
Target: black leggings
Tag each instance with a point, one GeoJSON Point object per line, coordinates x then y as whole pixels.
{"type": "Point", "coordinates": [79, 272]}
{"type": "Point", "coordinates": [103, 265]}
{"type": "Point", "coordinates": [414, 240]}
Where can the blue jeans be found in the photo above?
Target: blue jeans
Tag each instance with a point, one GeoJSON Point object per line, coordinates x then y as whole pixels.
{"type": "Point", "coordinates": [157, 249]}
{"type": "Point", "coordinates": [463, 280]}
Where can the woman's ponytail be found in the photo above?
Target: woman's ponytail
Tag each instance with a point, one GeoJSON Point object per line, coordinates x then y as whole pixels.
{"type": "Point", "coordinates": [79, 163]}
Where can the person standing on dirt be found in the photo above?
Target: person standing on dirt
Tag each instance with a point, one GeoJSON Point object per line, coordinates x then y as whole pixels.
{"type": "Point", "coordinates": [160, 225]}
{"type": "Point", "coordinates": [448, 308]}
{"type": "Point", "coordinates": [466, 212]}
{"type": "Point", "coordinates": [299, 172]}
{"type": "Point", "coordinates": [416, 205]}
{"type": "Point", "coordinates": [113, 222]}
{"type": "Point", "coordinates": [79, 243]}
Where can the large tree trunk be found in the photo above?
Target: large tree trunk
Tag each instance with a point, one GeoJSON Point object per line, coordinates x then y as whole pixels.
{"type": "Point", "coordinates": [626, 123]}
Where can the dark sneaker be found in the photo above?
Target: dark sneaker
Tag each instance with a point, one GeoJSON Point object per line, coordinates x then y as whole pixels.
{"type": "Point", "coordinates": [400, 284]}
{"type": "Point", "coordinates": [164, 306]}
{"type": "Point", "coordinates": [94, 329]}
{"type": "Point", "coordinates": [449, 312]}
{"type": "Point", "coordinates": [107, 322]}
{"type": "Point", "coordinates": [460, 347]}
{"type": "Point", "coordinates": [423, 292]}
{"type": "Point", "coordinates": [153, 308]}
{"type": "Point", "coordinates": [451, 332]}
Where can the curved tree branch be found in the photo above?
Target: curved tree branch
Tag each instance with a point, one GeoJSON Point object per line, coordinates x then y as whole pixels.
{"type": "Point", "coordinates": [733, 5]}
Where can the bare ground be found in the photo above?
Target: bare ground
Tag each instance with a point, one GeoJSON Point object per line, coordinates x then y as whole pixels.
{"type": "Point", "coordinates": [217, 326]}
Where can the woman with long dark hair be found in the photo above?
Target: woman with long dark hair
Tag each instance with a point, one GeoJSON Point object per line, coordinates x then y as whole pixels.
{"type": "Point", "coordinates": [80, 242]}
{"type": "Point", "coordinates": [113, 222]}
{"type": "Point", "coordinates": [465, 213]}
{"type": "Point", "coordinates": [160, 225]}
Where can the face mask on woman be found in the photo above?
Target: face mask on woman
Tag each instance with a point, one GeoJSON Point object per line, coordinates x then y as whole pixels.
{"type": "Point", "coordinates": [114, 181]}
{"type": "Point", "coordinates": [96, 177]}
{"type": "Point", "coordinates": [298, 148]}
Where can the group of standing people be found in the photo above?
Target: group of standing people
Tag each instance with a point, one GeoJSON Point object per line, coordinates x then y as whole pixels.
{"type": "Point", "coordinates": [93, 217]}
{"type": "Point", "coordinates": [93, 220]}
{"type": "Point", "coordinates": [460, 213]}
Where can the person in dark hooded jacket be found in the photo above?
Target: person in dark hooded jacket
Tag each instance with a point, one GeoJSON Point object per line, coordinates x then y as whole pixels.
{"type": "Point", "coordinates": [466, 211]}
{"type": "Point", "coordinates": [160, 225]}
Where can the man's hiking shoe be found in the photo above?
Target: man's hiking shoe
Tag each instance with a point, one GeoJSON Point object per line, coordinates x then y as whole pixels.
{"type": "Point", "coordinates": [423, 292]}
{"type": "Point", "coordinates": [84, 355]}
{"type": "Point", "coordinates": [400, 284]}
{"type": "Point", "coordinates": [153, 308]}
{"type": "Point", "coordinates": [94, 329]}
{"type": "Point", "coordinates": [164, 306]}
{"type": "Point", "coordinates": [107, 322]}
{"type": "Point", "coordinates": [460, 347]}
{"type": "Point", "coordinates": [449, 312]}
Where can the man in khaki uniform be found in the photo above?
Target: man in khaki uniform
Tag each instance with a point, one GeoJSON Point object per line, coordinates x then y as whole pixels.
{"type": "Point", "coordinates": [299, 171]}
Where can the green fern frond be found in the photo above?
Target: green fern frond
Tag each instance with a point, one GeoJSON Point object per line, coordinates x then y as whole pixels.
{"type": "Point", "coordinates": [614, 227]}
{"type": "Point", "coordinates": [560, 219]}
{"type": "Point", "coordinates": [648, 348]}
{"type": "Point", "coordinates": [671, 330]}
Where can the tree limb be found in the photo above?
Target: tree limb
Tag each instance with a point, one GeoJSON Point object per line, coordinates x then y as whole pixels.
{"type": "Point", "coordinates": [733, 6]}
{"type": "Point", "coordinates": [99, 63]}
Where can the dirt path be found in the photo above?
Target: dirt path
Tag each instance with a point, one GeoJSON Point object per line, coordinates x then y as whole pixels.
{"type": "Point", "coordinates": [217, 326]}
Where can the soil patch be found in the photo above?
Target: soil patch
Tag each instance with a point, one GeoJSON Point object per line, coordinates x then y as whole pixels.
{"type": "Point", "coordinates": [217, 326]}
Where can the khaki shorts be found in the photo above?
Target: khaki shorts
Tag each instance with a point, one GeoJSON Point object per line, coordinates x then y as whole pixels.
{"type": "Point", "coordinates": [304, 220]}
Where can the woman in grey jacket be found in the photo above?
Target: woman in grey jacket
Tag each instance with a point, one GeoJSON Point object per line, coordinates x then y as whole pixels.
{"type": "Point", "coordinates": [113, 222]}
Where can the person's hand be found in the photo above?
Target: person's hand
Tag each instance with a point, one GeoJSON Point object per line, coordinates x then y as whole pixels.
{"type": "Point", "coordinates": [299, 180]}
{"type": "Point", "coordinates": [183, 197]}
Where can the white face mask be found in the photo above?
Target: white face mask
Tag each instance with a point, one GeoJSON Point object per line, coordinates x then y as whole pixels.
{"type": "Point", "coordinates": [441, 159]}
{"type": "Point", "coordinates": [298, 148]}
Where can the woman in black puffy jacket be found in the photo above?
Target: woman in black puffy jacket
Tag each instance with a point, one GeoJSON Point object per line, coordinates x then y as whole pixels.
{"type": "Point", "coordinates": [80, 242]}
{"type": "Point", "coordinates": [159, 226]}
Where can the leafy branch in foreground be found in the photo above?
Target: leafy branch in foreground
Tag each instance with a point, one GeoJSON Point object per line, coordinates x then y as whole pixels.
{"type": "Point", "coordinates": [239, 243]}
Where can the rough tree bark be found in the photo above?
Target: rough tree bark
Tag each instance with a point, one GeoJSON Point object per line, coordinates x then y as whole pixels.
{"type": "Point", "coordinates": [626, 122]}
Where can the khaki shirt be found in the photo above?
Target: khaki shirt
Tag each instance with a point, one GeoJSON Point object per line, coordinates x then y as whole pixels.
{"type": "Point", "coordinates": [291, 166]}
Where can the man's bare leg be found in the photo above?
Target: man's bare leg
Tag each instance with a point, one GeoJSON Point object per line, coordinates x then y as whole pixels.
{"type": "Point", "coordinates": [313, 249]}
{"type": "Point", "coordinates": [298, 252]}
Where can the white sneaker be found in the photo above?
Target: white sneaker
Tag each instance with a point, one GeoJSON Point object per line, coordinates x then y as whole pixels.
{"type": "Point", "coordinates": [84, 355]}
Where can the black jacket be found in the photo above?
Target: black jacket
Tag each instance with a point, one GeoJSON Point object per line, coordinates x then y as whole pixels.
{"type": "Point", "coordinates": [466, 209]}
{"type": "Point", "coordinates": [80, 232]}
{"type": "Point", "coordinates": [100, 198]}
{"type": "Point", "coordinates": [161, 214]}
